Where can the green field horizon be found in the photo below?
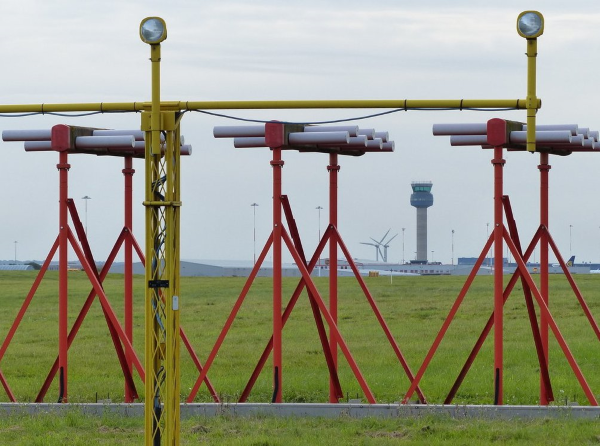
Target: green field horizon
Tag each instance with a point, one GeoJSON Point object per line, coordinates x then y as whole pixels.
{"type": "Point", "coordinates": [414, 308]}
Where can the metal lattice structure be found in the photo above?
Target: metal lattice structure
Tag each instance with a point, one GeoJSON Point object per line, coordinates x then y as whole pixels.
{"type": "Point", "coordinates": [162, 279]}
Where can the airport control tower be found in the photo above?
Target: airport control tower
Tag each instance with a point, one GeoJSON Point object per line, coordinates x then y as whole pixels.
{"type": "Point", "coordinates": [421, 198]}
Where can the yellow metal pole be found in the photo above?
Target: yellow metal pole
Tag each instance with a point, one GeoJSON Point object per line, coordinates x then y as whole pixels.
{"type": "Point", "coordinates": [156, 108]}
{"type": "Point", "coordinates": [155, 320]}
{"type": "Point", "coordinates": [152, 405]}
{"type": "Point", "coordinates": [162, 268]}
{"type": "Point", "coordinates": [532, 100]}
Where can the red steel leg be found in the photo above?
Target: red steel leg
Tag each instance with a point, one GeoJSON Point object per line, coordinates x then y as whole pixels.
{"type": "Point", "coordinates": [81, 316]}
{"type": "Point", "coordinates": [379, 316]}
{"type": "Point", "coordinates": [333, 169]}
{"type": "Point", "coordinates": [63, 293]}
{"type": "Point", "coordinates": [448, 321]}
{"type": "Point", "coordinates": [286, 314]}
{"type": "Point", "coordinates": [128, 172]}
{"type": "Point", "coordinates": [498, 163]}
{"type": "Point", "coordinates": [342, 344]}
{"type": "Point", "coordinates": [490, 323]}
{"type": "Point", "coordinates": [277, 164]}
{"type": "Point", "coordinates": [544, 169]}
{"type": "Point", "coordinates": [574, 287]}
{"type": "Point", "coordinates": [331, 365]}
{"type": "Point", "coordinates": [24, 307]}
{"type": "Point", "coordinates": [107, 307]}
{"type": "Point", "coordinates": [229, 321]}
{"type": "Point", "coordinates": [555, 330]}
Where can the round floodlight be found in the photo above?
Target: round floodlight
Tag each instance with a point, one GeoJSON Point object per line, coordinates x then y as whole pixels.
{"type": "Point", "coordinates": [530, 24]}
{"type": "Point", "coordinates": [153, 30]}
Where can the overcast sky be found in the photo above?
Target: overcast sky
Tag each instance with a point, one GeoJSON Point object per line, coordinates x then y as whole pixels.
{"type": "Point", "coordinates": [68, 51]}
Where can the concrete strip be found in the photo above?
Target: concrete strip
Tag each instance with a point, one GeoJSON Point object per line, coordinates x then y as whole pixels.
{"type": "Point", "coordinates": [314, 410]}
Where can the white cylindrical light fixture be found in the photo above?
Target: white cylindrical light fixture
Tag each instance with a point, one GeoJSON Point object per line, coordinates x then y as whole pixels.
{"type": "Point", "coordinates": [369, 132]}
{"type": "Point", "coordinates": [138, 135]}
{"type": "Point", "coordinates": [460, 129]}
{"type": "Point", "coordinates": [38, 146]}
{"type": "Point", "coordinates": [94, 142]}
{"type": "Point", "coordinates": [375, 144]}
{"type": "Point", "coordinates": [384, 136]}
{"type": "Point", "coordinates": [247, 142]}
{"type": "Point", "coordinates": [27, 135]}
{"type": "Point", "coordinates": [351, 129]}
{"type": "Point", "coordinates": [238, 131]}
{"type": "Point", "coordinates": [468, 140]}
{"type": "Point", "coordinates": [318, 138]}
{"type": "Point", "coordinates": [388, 146]}
{"type": "Point", "coordinates": [553, 136]}
{"type": "Point", "coordinates": [550, 127]}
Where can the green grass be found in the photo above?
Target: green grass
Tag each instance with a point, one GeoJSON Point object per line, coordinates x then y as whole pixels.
{"type": "Point", "coordinates": [76, 429]}
{"type": "Point", "coordinates": [414, 308]}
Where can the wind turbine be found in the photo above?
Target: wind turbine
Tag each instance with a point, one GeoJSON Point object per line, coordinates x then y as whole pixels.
{"type": "Point", "coordinates": [380, 244]}
{"type": "Point", "coordinates": [377, 250]}
{"type": "Point", "coordinates": [386, 246]}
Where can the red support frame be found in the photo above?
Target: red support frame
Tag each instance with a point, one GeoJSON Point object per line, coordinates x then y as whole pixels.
{"type": "Point", "coordinates": [62, 141]}
{"type": "Point", "coordinates": [122, 338]}
{"type": "Point", "coordinates": [275, 137]}
{"type": "Point", "coordinates": [497, 131]}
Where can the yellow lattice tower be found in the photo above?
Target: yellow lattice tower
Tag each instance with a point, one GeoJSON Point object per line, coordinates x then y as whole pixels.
{"type": "Point", "coordinates": [162, 255]}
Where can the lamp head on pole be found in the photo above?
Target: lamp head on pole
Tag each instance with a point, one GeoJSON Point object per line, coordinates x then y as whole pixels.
{"type": "Point", "coordinates": [153, 30]}
{"type": "Point", "coordinates": [530, 24]}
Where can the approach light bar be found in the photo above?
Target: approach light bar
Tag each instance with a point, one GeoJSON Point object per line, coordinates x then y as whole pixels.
{"type": "Point", "coordinates": [517, 137]}
{"type": "Point", "coordinates": [348, 140]}
{"type": "Point", "coordinates": [481, 128]}
{"type": "Point", "coordinates": [561, 139]}
{"type": "Point", "coordinates": [46, 134]}
{"type": "Point", "coordinates": [101, 142]}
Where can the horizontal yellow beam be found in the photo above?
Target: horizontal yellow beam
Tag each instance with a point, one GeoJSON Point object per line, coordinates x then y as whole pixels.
{"type": "Point", "coordinates": [407, 104]}
{"type": "Point", "coordinates": [82, 107]}
{"type": "Point", "coordinates": [364, 103]}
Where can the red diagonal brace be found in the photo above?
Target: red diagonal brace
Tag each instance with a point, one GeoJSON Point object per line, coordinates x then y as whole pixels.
{"type": "Point", "coordinates": [286, 314]}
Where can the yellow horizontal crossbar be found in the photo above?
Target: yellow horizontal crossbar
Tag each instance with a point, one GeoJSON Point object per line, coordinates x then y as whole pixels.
{"type": "Point", "coordinates": [162, 203]}
{"type": "Point", "coordinates": [407, 104]}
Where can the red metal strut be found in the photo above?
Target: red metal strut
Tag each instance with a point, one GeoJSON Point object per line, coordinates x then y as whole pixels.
{"type": "Point", "coordinates": [497, 136]}
{"type": "Point", "coordinates": [62, 141]}
{"type": "Point", "coordinates": [275, 137]}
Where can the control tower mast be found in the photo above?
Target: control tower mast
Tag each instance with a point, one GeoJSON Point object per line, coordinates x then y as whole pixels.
{"type": "Point", "coordinates": [421, 198]}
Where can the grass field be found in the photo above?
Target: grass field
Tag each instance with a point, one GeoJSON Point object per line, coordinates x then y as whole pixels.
{"type": "Point", "coordinates": [75, 429]}
{"type": "Point", "coordinates": [414, 308]}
